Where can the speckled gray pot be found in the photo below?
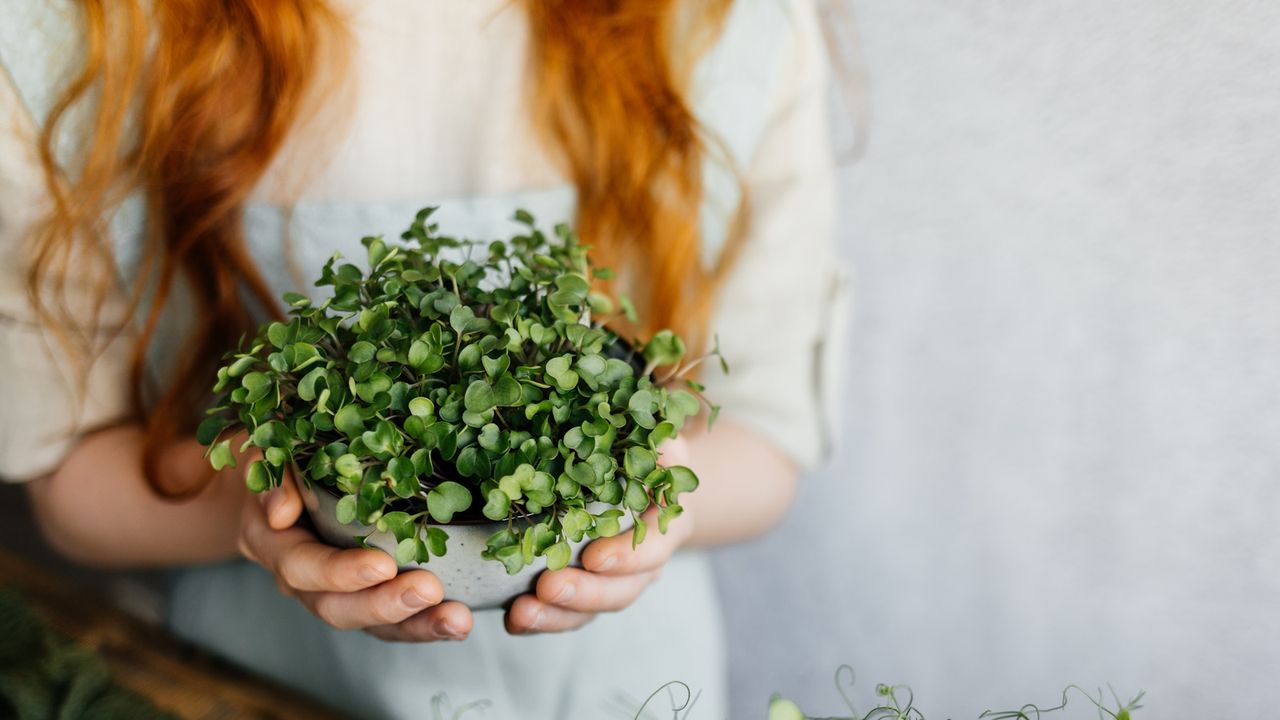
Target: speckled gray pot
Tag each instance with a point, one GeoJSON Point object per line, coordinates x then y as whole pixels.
{"type": "Point", "coordinates": [480, 584]}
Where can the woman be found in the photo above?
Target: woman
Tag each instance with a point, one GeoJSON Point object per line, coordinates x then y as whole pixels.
{"type": "Point", "coordinates": [171, 168]}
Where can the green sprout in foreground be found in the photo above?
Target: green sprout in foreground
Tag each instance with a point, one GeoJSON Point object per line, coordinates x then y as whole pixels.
{"type": "Point", "coordinates": [896, 702]}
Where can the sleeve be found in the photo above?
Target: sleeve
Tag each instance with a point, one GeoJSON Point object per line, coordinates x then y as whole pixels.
{"type": "Point", "coordinates": [781, 312]}
{"type": "Point", "coordinates": [46, 399]}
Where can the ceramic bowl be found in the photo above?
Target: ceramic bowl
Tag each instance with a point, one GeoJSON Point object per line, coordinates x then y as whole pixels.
{"type": "Point", "coordinates": [480, 584]}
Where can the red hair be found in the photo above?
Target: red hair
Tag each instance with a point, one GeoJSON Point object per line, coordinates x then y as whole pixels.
{"type": "Point", "coordinates": [214, 88]}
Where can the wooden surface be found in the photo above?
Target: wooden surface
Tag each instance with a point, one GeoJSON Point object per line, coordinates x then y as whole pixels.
{"type": "Point", "coordinates": [148, 660]}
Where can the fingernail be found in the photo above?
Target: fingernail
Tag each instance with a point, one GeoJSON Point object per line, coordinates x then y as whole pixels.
{"type": "Point", "coordinates": [446, 629]}
{"type": "Point", "coordinates": [537, 619]}
{"type": "Point", "coordinates": [607, 563]}
{"type": "Point", "coordinates": [371, 574]}
{"type": "Point", "coordinates": [566, 593]}
{"type": "Point", "coordinates": [413, 600]}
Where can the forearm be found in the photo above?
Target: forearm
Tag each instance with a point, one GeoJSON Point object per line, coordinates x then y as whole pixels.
{"type": "Point", "coordinates": [746, 484]}
{"type": "Point", "coordinates": [97, 508]}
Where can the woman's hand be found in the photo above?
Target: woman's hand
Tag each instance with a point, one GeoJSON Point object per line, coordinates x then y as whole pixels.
{"type": "Point", "coordinates": [348, 589]}
{"type": "Point", "coordinates": [612, 576]}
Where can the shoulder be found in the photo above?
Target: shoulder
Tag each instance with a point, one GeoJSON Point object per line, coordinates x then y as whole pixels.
{"type": "Point", "coordinates": [40, 47]}
{"type": "Point", "coordinates": [765, 49]}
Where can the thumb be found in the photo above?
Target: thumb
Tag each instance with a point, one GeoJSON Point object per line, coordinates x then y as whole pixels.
{"type": "Point", "coordinates": [675, 452]}
{"type": "Point", "coordinates": [283, 505]}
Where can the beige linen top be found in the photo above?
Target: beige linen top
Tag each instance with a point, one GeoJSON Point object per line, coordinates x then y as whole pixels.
{"type": "Point", "coordinates": [437, 118]}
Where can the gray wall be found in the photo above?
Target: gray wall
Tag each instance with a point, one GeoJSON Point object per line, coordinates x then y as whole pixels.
{"type": "Point", "coordinates": [1062, 446]}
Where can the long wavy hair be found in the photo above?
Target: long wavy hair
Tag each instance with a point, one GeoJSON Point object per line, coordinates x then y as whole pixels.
{"type": "Point", "coordinates": [192, 100]}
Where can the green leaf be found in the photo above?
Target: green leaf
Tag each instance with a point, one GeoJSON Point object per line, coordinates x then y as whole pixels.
{"type": "Point", "coordinates": [600, 303]}
{"type": "Point", "coordinates": [558, 556]}
{"type": "Point", "coordinates": [541, 335]}
{"type": "Point", "coordinates": [573, 285]}
{"type": "Point", "coordinates": [276, 456]}
{"type": "Point", "coordinates": [257, 479]}
{"type": "Point", "coordinates": [304, 429]}
{"type": "Point", "coordinates": [271, 434]}
{"type": "Point", "coordinates": [447, 499]}
{"type": "Point", "coordinates": [468, 462]}
{"type": "Point", "coordinates": [437, 541]}
{"type": "Point", "coordinates": [370, 502]}
{"type": "Point", "coordinates": [591, 366]}
{"type": "Point", "coordinates": [783, 709]}
{"type": "Point", "coordinates": [490, 437]}
{"type": "Point", "coordinates": [220, 456]}
{"type": "Point", "coordinates": [361, 352]}
{"type": "Point", "coordinates": [575, 523]}
{"type": "Point", "coordinates": [369, 389]}
{"type": "Point", "coordinates": [278, 335]}
{"type": "Point", "coordinates": [640, 461]}
{"type": "Point", "coordinates": [666, 515]}
{"type": "Point", "coordinates": [422, 407]}
{"type": "Point", "coordinates": [506, 392]}
{"type": "Point", "coordinates": [463, 320]}
{"type": "Point", "coordinates": [349, 421]}
{"type": "Point", "coordinates": [628, 309]}
{"type": "Point", "coordinates": [680, 405]}
{"type": "Point", "coordinates": [209, 429]}
{"type": "Point", "coordinates": [241, 365]}
{"type": "Point", "coordinates": [512, 558]}
{"type": "Point", "coordinates": [348, 465]}
{"type": "Point", "coordinates": [638, 532]}
{"type": "Point", "coordinates": [607, 524]}
{"type": "Point", "coordinates": [307, 385]}
{"type": "Point", "coordinates": [479, 396]}
{"type": "Point", "coordinates": [636, 498]}
{"type": "Point", "coordinates": [399, 524]}
{"type": "Point", "coordinates": [304, 355]}
{"type": "Point", "coordinates": [345, 511]}
{"type": "Point", "coordinates": [402, 476]}
{"type": "Point", "coordinates": [493, 367]}
{"type": "Point", "coordinates": [683, 480]}
{"type": "Point", "coordinates": [640, 405]}
{"type": "Point", "coordinates": [258, 385]}
{"type": "Point", "coordinates": [423, 358]}
{"type": "Point", "coordinates": [664, 348]}
{"type": "Point", "coordinates": [661, 432]}
{"type": "Point", "coordinates": [498, 505]}
{"type": "Point", "coordinates": [469, 357]}
{"type": "Point", "coordinates": [657, 477]}
{"type": "Point", "coordinates": [558, 365]}
{"type": "Point", "coordinates": [406, 551]}
{"type": "Point", "coordinates": [615, 371]}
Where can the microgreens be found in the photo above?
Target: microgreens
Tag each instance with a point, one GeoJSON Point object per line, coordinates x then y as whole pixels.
{"type": "Point", "coordinates": [464, 381]}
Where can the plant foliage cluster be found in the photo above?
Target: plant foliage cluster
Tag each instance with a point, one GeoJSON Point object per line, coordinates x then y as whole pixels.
{"type": "Point", "coordinates": [457, 380]}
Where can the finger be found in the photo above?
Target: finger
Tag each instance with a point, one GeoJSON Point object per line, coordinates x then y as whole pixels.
{"type": "Point", "coordinates": [390, 603]}
{"type": "Point", "coordinates": [447, 621]}
{"type": "Point", "coordinates": [528, 614]}
{"type": "Point", "coordinates": [307, 565]}
{"type": "Point", "coordinates": [674, 452]}
{"type": "Point", "coordinates": [583, 591]}
{"type": "Point", "coordinates": [283, 505]}
{"type": "Point", "coordinates": [615, 556]}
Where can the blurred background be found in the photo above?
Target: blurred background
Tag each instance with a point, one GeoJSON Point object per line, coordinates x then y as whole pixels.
{"type": "Point", "coordinates": [1061, 447]}
{"type": "Point", "coordinates": [1061, 453]}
